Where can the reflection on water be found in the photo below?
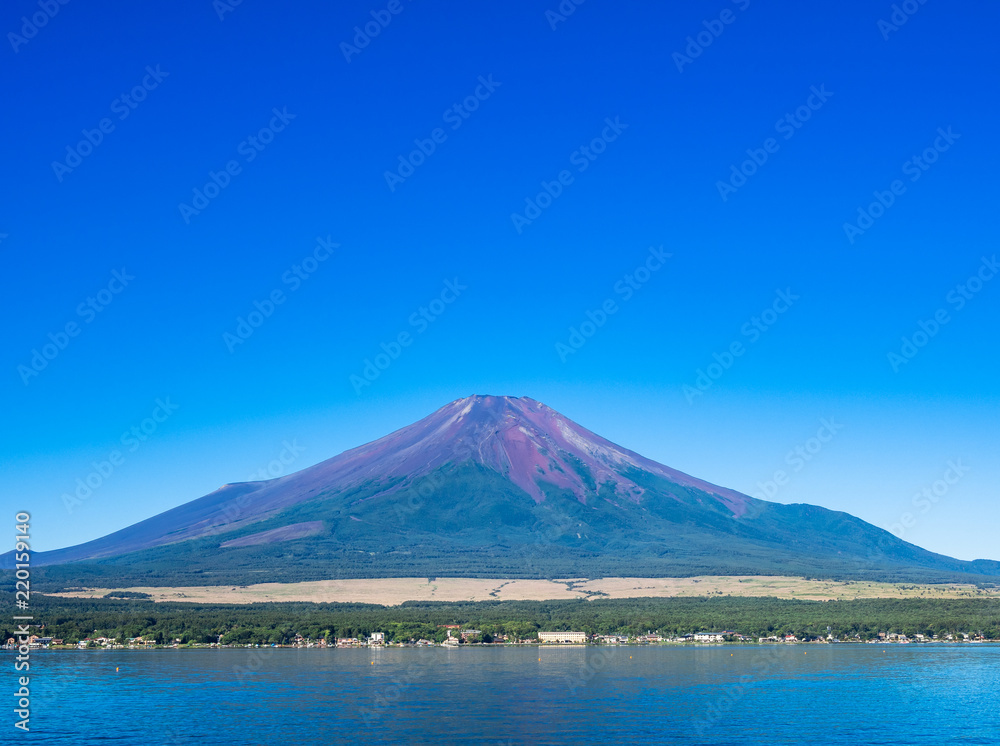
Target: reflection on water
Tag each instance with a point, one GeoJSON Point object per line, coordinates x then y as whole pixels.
{"type": "Point", "coordinates": [779, 694]}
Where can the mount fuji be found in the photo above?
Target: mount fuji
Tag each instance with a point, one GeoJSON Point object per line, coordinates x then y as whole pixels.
{"type": "Point", "coordinates": [490, 486]}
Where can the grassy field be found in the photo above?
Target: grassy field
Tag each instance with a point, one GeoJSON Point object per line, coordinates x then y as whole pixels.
{"type": "Point", "coordinates": [394, 591]}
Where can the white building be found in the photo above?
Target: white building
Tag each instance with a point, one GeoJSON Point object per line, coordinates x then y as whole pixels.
{"type": "Point", "coordinates": [708, 637]}
{"type": "Point", "coordinates": [562, 637]}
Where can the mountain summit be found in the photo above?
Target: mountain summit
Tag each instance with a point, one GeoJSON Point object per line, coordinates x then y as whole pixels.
{"type": "Point", "coordinates": [524, 441]}
{"type": "Point", "coordinates": [492, 486]}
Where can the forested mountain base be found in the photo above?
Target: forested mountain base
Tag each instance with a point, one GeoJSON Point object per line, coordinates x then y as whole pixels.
{"type": "Point", "coordinates": [76, 619]}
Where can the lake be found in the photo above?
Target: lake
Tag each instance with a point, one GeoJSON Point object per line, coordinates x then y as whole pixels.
{"type": "Point", "coordinates": [722, 694]}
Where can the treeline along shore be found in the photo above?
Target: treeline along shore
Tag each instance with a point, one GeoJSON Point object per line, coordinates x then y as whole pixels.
{"type": "Point", "coordinates": [123, 621]}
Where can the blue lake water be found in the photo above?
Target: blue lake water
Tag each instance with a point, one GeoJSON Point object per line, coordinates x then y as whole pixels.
{"type": "Point", "coordinates": [780, 694]}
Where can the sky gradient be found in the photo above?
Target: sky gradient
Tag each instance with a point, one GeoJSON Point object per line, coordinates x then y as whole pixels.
{"type": "Point", "coordinates": [217, 217]}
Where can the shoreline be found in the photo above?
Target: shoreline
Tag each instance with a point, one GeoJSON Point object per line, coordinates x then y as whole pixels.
{"type": "Point", "coordinates": [497, 645]}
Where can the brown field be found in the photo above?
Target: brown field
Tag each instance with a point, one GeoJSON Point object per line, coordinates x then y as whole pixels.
{"type": "Point", "coordinates": [394, 591]}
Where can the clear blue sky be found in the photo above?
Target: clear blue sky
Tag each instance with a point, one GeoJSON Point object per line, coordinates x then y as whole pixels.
{"type": "Point", "coordinates": [863, 100]}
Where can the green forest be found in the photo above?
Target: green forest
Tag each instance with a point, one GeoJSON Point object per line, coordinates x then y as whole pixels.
{"type": "Point", "coordinates": [279, 623]}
